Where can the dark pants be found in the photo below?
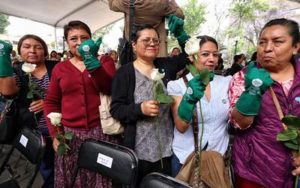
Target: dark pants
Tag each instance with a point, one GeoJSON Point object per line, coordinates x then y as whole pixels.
{"type": "Point", "coordinates": [146, 167]}
{"type": "Point", "coordinates": [47, 164]}
{"type": "Point", "coordinates": [176, 165]}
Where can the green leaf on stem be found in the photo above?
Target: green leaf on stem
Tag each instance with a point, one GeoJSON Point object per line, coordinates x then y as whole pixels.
{"type": "Point", "coordinates": [67, 147]}
{"type": "Point", "coordinates": [291, 145]}
{"type": "Point", "coordinates": [287, 135]}
{"type": "Point", "coordinates": [60, 137]}
{"type": "Point", "coordinates": [164, 99]}
{"type": "Point", "coordinates": [68, 136]}
{"type": "Point", "coordinates": [158, 88]}
{"type": "Point", "coordinates": [292, 121]}
{"type": "Point", "coordinates": [61, 149]}
{"type": "Point", "coordinates": [204, 74]}
{"type": "Point", "coordinates": [192, 69]}
{"type": "Point", "coordinates": [159, 93]}
{"type": "Point", "coordinates": [29, 94]}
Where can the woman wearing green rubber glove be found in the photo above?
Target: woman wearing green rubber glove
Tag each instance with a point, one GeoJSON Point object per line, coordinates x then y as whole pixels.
{"type": "Point", "coordinates": [213, 98]}
{"type": "Point", "coordinates": [74, 92]}
{"type": "Point", "coordinates": [6, 70]}
{"type": "Point", "coordinates": [256, 152]}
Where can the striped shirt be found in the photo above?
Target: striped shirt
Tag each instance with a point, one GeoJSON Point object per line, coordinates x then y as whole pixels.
{"type": "Point", "coordinates": [43, 83]}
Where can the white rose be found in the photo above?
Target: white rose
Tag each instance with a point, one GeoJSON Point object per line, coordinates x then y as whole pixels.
{"type": "Point", "coordinates": [55, 118]}
{"type": "Point", "coordinates": [156, 75]}
{"type": "Point", "coordinates": [28, 67]}
{"type": "Point", "coordinates": [192, 46]}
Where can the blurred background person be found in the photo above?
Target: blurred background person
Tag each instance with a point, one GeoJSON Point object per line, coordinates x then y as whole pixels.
{"type": "Point", "coordinates": [114, 55]}
{"type": "Point", "coordinates": [175, 51]}
{"type": "Point", "coordinates": [237, 65]}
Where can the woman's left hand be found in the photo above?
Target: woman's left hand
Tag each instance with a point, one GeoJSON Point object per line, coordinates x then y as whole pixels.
{"type": "Point", "coordinates": [296, 163]}
{"type": "Point", "coordinates": [36, 106]}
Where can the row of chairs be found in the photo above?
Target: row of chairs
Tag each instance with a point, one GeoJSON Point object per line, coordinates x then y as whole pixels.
{"type": "Point", "coordinates": [114, 161]}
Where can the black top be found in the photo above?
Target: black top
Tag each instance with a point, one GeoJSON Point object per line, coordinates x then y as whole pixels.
{"type": "Point", "coordinates": [234, 69]}
{"type": "Point", "coordinates": [123, 106]}
{"type": "Point", "coordinates": [25, 117]}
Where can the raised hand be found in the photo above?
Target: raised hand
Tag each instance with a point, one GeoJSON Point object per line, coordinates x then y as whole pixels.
{"type": "Point", "coordinates": [89, 52]}
{"type": "Point", "coordinates": [5, 61]}
{"type": "Point", "coordinates": [257, 81]}
{"type": "Point", "coordinates": [175, 25]}
{"type": "Point", "coordinates": [193, 94]}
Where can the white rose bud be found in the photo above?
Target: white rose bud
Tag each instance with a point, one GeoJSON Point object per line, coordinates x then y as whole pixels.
{"type": "Point", "coordinates": [28, 67]}
{"type": "Point", "coordinates": [192, 46]}
{"type": "Point", "coordinates": [156, 75]}
{"type": "Point", "coordinates": [55, 118]}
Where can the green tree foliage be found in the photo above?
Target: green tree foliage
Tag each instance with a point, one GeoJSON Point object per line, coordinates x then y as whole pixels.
{"type": "Point", "coordinates": [248, 17]}
{"type": "Point", "coordinates": [3, 23]}
{"type": "Point", "coordinates": [194, 16]}
{"type": "Point", "coordinates": [102, 31]}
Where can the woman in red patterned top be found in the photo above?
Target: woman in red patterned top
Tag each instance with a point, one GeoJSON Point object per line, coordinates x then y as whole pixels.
{"type": "Point", "coordinates": [74, 92]}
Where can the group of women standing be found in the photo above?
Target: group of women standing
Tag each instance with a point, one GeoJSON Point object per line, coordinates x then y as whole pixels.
{"type": "Point", "coordinates": [244, 99]}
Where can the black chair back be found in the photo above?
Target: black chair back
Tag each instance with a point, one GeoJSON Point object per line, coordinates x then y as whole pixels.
{"type": "Point", "coordinates": [158, 180]}
{"type": "Point", "coordinates": [114, 161]}
{"type": "Point", "coordinates": [30, 146]}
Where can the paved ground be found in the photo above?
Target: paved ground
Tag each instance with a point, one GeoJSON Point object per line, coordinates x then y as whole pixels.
{"type": "Point", "coordinates": [18, 164]}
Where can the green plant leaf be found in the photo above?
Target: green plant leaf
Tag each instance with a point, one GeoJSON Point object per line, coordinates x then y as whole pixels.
{"type": "Point", "coordinates": [291, 145]}
{"type": "Point", "coordinates": [164, 99]}
{"type": "Point", "coordinates": [60, 137]}
{"type": "Point", "coordinates": [192, 69]}
{"type": "Point", "coordinates": [61, 149]}
{"type": "Point", "coordinates": [287, 135]}
{"type": "Point", "coordinates": [158, 88]}
{"type": "Point", "coordinates": [205, 76]}
{"type": "Point", "coordinates": [67, 147]}
{"type": "Point", "coordinates": [68, 136]}
{"type": "Point", "coordinates": [292, 121]}
{"type": "Point", "coordinates": [29, 94]}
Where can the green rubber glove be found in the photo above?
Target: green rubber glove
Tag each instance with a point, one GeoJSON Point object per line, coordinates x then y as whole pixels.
{"type": "Point", "coordinates": [257, 81]}
{"type": "Point", "coordinates": [175, 25]}
{"type": "Point", "coordinates": [5, 61]}
{"type": "Point", "coordinates": [89, 52]}
{"type": "Point", "coordinates": [193, 94]}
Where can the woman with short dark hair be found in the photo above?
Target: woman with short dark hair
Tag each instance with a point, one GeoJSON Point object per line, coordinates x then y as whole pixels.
{"type": "Point", "coordinates": [74, 92]}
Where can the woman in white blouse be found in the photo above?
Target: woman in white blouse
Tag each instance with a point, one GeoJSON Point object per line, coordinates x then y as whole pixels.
{"type": "Point", "coordinates": [214, 104]}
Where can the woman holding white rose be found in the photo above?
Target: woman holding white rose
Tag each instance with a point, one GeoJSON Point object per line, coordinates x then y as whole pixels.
{"type": "Point", "coordinates": [74, 93]}
{"type": "Point", "coordinates": [148, 124]}
{"type": "Point", "coordinates": [34, 70]}
{"type": "Point", "coordinates": [214, 102]}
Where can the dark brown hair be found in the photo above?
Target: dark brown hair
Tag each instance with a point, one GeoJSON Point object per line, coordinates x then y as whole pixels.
{"type": "Point", "coordinates": [291, 25]}
{"type": "Point", "coordinates": [37, 38]}
{"type": "Point", "coordinates": [138, 29]}
{"type": "Point", "coordinates": [205, 38]}
{"type": "Point", "coordinates": [76, 24]}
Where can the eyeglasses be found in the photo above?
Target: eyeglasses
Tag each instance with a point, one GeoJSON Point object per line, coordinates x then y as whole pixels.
{"type": "Point", "coordinates": [206, 54]}
{"type": "Point", "coordinates": [149, 41]}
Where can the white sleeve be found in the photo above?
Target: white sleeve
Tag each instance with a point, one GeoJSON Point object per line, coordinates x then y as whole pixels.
{"type": "Point", "coordinates": [176, 88]}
